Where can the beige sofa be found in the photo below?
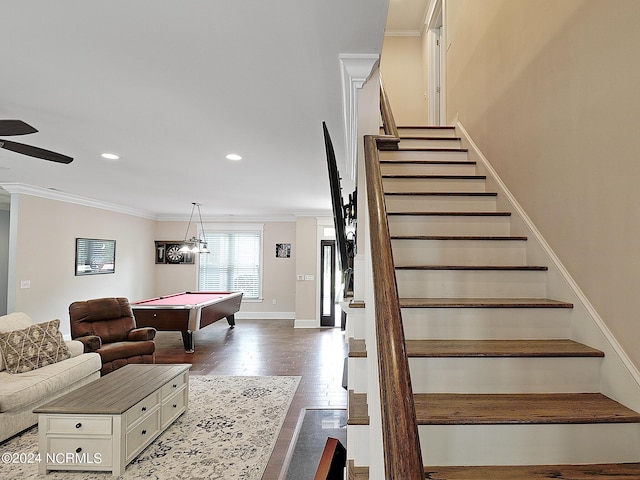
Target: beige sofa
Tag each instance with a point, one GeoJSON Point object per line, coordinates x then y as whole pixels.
{"type": "Point", "coordinates": [20, 393]}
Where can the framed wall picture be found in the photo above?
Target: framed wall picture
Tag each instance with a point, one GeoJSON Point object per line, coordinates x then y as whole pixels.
{"type": "Point", "coordinates": [95, 256]}
{"type": "Point", "coordinates": [283, 250]}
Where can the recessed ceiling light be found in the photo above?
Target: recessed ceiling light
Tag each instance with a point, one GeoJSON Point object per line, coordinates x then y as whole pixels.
{"type": "Point", "coordinates": [110, 156]}
{"type": "Point", "coordinates": [233, 156]}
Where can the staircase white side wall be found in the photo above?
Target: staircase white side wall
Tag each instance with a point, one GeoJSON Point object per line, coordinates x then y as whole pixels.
{"type": "Point", "coordinates": [620, 378]}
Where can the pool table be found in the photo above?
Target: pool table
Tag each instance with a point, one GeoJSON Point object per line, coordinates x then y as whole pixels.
{"type": "Point", "coordinates": [187, 312]}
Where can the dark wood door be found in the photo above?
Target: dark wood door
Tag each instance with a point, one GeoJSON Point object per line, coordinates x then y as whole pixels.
{"type": "Point", "coordinates": [327, 283]}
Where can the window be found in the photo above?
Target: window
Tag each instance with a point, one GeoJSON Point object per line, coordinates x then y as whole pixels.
{"type": "Point", "coordinates": [234, 264]}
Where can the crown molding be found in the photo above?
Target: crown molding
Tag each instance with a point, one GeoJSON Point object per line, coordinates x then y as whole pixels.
{"type": "Point", "coordinates": [21, 188]}
{"type": "Point", "coordinates": [274, 218]}
{"type": "Point", "coordinates": [403, 33]}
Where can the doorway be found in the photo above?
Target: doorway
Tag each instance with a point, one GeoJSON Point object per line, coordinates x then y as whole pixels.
{"type": "Point", "coordinates": [436, 69]}
{"type": "Point", "coordinates": [327, 283]}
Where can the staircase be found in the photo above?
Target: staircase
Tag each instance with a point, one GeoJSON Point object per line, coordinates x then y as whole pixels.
{"type": "Point", "coordinates": [500, 388]}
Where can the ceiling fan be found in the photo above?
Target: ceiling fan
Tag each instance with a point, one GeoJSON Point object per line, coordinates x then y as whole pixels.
{"type": "Point", "coordinates": [18, 127]}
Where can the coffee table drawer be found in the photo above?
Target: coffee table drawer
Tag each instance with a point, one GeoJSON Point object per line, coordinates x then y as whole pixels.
{"type": "Point", "coordinates": [175, 385]}
{"type": "Point", "coordinates": [79, 452]}
{"type": "Point", "coordinates": [142, 434]}
{"type": "Point", "coordinates": [78, 425]}
{"type": "Point", "coordinates": [142, 408]}
{"type": "Point", "coordinates": [174, 406]}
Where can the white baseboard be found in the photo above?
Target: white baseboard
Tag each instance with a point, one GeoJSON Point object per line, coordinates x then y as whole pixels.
{"type": "Point", "coordinates": [302, 323]}
{"type": "Point", "coordinates": [265, 315]}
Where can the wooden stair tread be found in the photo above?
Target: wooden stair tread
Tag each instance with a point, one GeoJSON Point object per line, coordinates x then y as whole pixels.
{"type": "Point", "coordinates": [611, 471]}
{"type": "Point", "coordinates": [442, 194]}
{"type": "Point", "coordinates": [459, 237]}
{"type": "Point", "coordinates": [430, 149]}
{"type": "Point", "coordinates": [427, 127]}
{"type": "Point", "coordinates": [358, 411]}
{"type": "Point", "coordinates": [410, 137]}
{"type": "Point", "coordinates": [428, 162]}
{"type": "Point", "coordinates": [499, 348]}
{"type": "Point", "coordinates": [483, 303]}
{"type": "Point", "coordinates": [357, 348]}
{"type": "Point", "coordinates": [434, 176]}
{"type": "Point", "coordinates": [357, 472]}
{"type": "Point", "coordinates": [536, 268]}
{"type": "Point", "coordinates": [526, 408]}
{"type": "Point", "coordinates": [606, 471]}
{"type": "Point", "coordinates": [451, 214]}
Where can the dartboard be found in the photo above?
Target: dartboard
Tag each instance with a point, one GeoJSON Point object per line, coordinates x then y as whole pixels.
{"type": "Point", "coordinates": [173, 254]}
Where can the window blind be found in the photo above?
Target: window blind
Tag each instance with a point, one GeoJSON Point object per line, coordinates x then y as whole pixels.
{"type": "Point", "coordinates": [233, 264]}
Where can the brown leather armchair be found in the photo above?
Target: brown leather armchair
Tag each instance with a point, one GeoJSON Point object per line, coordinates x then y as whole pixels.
{"type": "Point", "coordinates": [107, 326]}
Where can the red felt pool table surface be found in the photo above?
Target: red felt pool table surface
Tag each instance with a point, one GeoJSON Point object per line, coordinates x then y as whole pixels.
{"type": "Point", "coordinates": [184, 300]}
{"type": "Point", "coordinates": [187, 312]}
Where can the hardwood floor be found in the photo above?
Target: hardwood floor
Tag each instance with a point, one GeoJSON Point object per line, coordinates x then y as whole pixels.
{"type": "Point", "coordinates": [268, 347]}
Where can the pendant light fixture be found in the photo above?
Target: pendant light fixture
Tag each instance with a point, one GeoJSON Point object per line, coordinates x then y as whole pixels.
{"type": "Point", "coordinates": [194, 244]}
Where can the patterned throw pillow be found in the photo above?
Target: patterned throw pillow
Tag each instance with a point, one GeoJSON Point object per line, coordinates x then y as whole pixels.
{"type": "Point", "coordinates": [34, 347]}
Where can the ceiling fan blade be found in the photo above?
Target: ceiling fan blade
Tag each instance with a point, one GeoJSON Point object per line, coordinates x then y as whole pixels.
{"type": "Point", "coordinates": [35, 152]}
{"type": "Point", "coordinates": [15, 127]}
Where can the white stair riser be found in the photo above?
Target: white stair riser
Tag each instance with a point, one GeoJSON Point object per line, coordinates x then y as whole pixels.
{"type": "Point", "coordinates": [429, 143]}
{"type": "Point", "coordinates": [505, 375]}
{"type": "Point", "coordinates": [357, 374]}
{"type": "Point", "coordinates": [529, 444]}
{"type": "Point", "coordinates": [443, 225]}
{"type": "Point", "coordinates": [486, 323]}
{"type": "Point", "coordinates": [358, 443]}
{"type": "Point", "coordinates": [435, 154]}
{"type": "Point", "coordinates": [471, 284]}
{"type": "Point", "coordinates": [460, 185]}
{"type": "Point", "coordinates": [426, 132]}
{"type": "Point", "coordinates": [429, 203]}
{"type": "Point", "coordinates": [440, 168]}
{"type": "Point", "coordinates": [459, 252]}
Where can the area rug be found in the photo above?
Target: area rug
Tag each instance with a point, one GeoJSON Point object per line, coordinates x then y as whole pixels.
{"type": "Point", "coordinates": [228, 432]}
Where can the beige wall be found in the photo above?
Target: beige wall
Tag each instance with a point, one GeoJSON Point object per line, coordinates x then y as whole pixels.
{"type": "Point", "coordinates": [549, 92]}
{"type": "Point", "coordinates": [402, 72]}
{"type": "Point", "coordinates": [278, 274]}
{"type": "Point", "coordinates": [279, 287]}
{"type": "Point", "coordinates": [45, 255]}
{"type": "Point", "coordinates": [306, 264]}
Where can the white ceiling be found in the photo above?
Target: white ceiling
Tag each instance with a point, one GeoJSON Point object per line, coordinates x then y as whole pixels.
{"type": "Point", "coordinates": [172, 86]}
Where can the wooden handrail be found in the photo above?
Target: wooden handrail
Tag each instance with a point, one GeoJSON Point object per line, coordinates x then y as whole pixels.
{"type": "Point", "coordinates": [401, 444]}
{"type": "Point", "coordinates": [388, 122]}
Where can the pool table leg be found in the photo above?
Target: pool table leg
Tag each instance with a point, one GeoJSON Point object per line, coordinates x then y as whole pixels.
{"type": "Point", "coordinates": [187, 339]}
{"type": "Point", "coordinates": [231, 319]}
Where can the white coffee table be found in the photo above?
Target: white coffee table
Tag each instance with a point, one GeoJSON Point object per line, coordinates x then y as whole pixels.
{"type": "Point", "coordinates": [107, 423]}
